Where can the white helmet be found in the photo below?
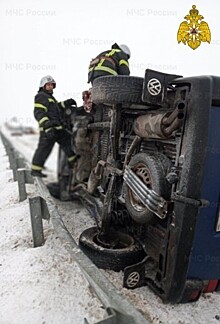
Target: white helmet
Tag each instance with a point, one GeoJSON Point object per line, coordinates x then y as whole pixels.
{"type": "Point", "coordinates": [125, 49]}
{"type": "Point", "coordinates": [47, 79]}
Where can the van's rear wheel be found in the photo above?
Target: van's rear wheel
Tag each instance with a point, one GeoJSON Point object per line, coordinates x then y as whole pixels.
{"type": "Point", "coordinates": [151, 169]}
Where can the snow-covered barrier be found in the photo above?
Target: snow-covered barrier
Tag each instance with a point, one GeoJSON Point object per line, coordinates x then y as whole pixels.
{"type": "Point", "coordinates": [118, 309]}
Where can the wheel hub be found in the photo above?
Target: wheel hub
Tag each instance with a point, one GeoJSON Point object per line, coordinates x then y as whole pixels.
{"type": "Point", "coordinates": [143, 173]}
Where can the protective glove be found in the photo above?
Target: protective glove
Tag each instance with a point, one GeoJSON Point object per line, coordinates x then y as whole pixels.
{"type": "Point", "coordinates": [70, 102]}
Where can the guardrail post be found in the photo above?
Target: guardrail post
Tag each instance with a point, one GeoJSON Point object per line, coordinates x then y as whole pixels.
{"type": "Point", "coordinates": [17, 162]}
{"type": "Point", "coordinates": [12, 161]}
{"type": "Point", "coordinates": [21, 184]}
{"type": "Point", "coordinates": [23, 177]}
{"type": "Point", "coordinates": [38, 210]}
{"type": "Point", "coordinates": [20, 162]}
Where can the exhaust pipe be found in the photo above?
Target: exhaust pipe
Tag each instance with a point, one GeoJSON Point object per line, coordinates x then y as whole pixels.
{"type": "Point", "coordinates": [177, 113]}
{"type": "Point", "coordinates": [160, 125]}
{"type": "Point", "coordinates": [174, 121]}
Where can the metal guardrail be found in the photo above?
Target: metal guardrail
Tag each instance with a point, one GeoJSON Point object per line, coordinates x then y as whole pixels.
{"type": "Point", "coordinates": [118, 309]}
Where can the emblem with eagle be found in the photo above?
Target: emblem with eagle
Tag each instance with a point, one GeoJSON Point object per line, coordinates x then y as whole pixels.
{"type": "Point", "coordinates": [193, 31]}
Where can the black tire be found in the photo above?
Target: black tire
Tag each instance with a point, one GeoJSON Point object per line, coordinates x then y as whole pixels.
{"type": "Point", "coordinates": [117, 89]}
{"type": "Point", "coordinates": [152, 169]}
{"type": "Point", "coordinates": [113, 259]}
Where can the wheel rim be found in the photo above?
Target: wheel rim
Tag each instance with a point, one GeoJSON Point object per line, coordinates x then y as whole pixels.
{"type": "Point", "coordinates": [143, 173]}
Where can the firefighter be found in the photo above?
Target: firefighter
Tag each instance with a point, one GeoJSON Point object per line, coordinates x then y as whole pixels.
{"type": "Point", "coordinates": [48, 113]}
{"type": "Point", "coordinates": [111, 62]}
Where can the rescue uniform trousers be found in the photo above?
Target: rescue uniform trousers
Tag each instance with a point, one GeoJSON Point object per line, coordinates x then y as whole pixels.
{"type": "Point", "coordinates": [46, 144]}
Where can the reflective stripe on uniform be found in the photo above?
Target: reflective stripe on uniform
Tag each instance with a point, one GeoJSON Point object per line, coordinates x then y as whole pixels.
{"type": "Point", "coordinates": [100, 67]}
{"type": "Point", "coordinates": [56, 127]}
{"type": "Point", "coordinates": [36, 167]}
{"type": "Point", "coordinates": [71, 158]}
{"type": "Point", "coordinates": [123, 62]}
{"type": "Point", "coordinates": [43, 120]}
{"type": "Point", "coordinates": [104, 68]}
{"type": "Point", "coordinates": [38, 105]}
{"type": "Point", "coordinates": [101, 62]}
{"type": "Point", "coordinates": [112, 52]}
{"type": "Point", "coordinates": [48, 129]}
{"type": "Point", "coordinates": [51, 100]}
{"type": "Point", "coordinates": [62, 104]}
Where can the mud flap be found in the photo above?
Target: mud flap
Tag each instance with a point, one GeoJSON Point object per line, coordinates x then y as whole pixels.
{"type": "Point", "coordinates": [134, 275]}
{"type": "Point", "coordinates": [155, 86]}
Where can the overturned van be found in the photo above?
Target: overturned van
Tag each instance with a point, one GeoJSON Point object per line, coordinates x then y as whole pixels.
{"type": "Point", "coordinates": [150, 176]}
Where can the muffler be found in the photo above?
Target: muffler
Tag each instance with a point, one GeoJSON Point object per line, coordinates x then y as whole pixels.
{"type": "Point", "coordinates": [160, 125]}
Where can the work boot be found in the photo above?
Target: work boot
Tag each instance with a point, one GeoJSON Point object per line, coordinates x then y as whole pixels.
{"type": "Point", "coordinates": [36, 173]}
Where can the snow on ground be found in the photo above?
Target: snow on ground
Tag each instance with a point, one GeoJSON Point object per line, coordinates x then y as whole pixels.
{"type": "Point", "coordinates": [206, 310]}
{"type": "Point", "coordinates": [43, 285]}
{"type": "Point", "coordinates": [37, 285]}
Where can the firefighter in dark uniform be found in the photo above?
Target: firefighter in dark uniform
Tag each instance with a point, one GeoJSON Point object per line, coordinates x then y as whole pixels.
{"type": "Point", "coordinates": [111, 62]}
{"type": "Point", "coordinates": [48, 113]}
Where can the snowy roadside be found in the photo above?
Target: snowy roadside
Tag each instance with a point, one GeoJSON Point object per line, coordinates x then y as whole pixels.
{"type": "Point", "coordinates": [206, 310]}
{"type": "Point", "coordinates": [38, 285]}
